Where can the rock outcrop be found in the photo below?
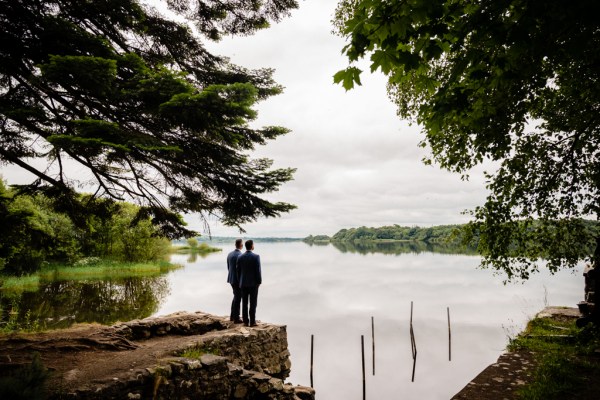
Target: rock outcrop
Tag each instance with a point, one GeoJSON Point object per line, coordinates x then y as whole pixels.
{"type": "Point", "coordinates": [179, 356]}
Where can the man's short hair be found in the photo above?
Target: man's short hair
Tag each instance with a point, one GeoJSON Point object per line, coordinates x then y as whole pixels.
{"type": "Point", "coordinates": [249, 244]}
{"type": "Point", "coordinates": [238, 243]}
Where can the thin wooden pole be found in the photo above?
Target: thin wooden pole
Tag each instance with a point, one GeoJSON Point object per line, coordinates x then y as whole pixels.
{"type": "Point", "coordinates": [449, 336]}
{"type": "Point", "coordinates": [362, 345]}
{"type": "Point", "coordinates": [413, 343]}
{"type": "Point", "coordinates": [312, 347]}
{"type": "Point", "coordinates": [373, 339]}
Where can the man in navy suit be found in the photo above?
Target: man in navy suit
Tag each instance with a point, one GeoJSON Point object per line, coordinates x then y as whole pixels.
{"type": "Point", "coordinates": [233, 279]}
{"type": "Point", "coordinates": [248, 268]}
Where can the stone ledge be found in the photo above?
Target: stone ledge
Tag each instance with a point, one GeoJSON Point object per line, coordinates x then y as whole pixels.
{"type": "Point", "coordinates": [142, 359]}
{"type": "Point", "coordinates": [211, 377]}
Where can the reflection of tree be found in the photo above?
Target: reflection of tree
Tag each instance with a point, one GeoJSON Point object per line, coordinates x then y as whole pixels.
{"type": "Point", "coordinates": [312, 243]}
{"type": "Point", "coordinates": [59, 304]}
{"type": "Point", "coordinates": [370, 247]}
{"type": "Point", "coordinates": [203, 251]}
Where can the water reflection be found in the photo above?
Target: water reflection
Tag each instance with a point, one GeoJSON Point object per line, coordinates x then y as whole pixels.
{"type": "Point", "coordinates": [60, 304]}
{"type": "Point", "coordinates": [396, 248]}
{"type": "Point", "coordinates": [333, 292]}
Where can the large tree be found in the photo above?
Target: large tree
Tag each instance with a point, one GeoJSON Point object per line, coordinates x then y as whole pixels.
{"type": "Point", "coordinates": [118, 98]}
{"type": "Point", "coordinates": [512, 81]}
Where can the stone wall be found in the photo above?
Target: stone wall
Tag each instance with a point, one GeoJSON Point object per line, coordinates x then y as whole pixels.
{"type": "Point", "coordinates": [211, 377]}
{"type": "Point", "coordinates": [144, 359]}
{"type": "Point", "coordinates": [262, 349]}
{"type": "Point", "coordinates": [246, 363]}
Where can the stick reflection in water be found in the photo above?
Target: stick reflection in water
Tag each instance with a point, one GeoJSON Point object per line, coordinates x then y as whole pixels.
{"type": "Point", "coordinates": [312, 346]}
{"type": "Point", "coordinates": [362, 346]}
{"type": "Point", "coordinates": [449, 336]}
{"type": "Point", "coordinates": [373, 340]}
{"type": "Point", "coordinates": [413, 344]}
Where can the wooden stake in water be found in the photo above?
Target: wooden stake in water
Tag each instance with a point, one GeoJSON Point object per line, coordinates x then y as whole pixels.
{"type": "Point", "coordinates": [312, 346]}
{"type": "Point", "coordinates": [362, 346]}
{"type": "Point", "coordinates": [449, 336]}
{"type": "Point", "coordinates": [373, 339]}
{"type": "Point", "coordinates": [413, 343]}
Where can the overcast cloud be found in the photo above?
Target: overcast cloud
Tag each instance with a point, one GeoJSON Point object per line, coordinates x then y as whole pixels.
{"type": "Point", "coordinates": [357, 162]}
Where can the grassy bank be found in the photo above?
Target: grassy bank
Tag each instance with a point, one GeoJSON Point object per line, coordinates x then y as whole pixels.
{"type": "Point", "coordinates": [568, 364]}
{"type": "Point", "coordinates": [86, 269]}
{"type": "Point", "coordinates": [200, 248]}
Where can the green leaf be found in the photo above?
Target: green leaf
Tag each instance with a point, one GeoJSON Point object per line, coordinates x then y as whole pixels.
{"type": "Point", "coordinates": [348, 77]}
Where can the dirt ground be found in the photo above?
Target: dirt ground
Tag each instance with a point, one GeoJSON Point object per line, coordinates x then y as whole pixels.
{"type": "Point", "coordinates": [88, 355]}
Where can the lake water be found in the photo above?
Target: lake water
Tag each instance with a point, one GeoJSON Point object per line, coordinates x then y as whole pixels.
{"type": "Point", "coordinates": [332, 293]}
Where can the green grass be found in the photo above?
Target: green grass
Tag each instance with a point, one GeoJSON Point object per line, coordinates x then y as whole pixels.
{"type": "Point", "coordinates": [198, 351]}
{"type": "Point", "coordinates": [106, 270]}
{"type": "Point", "coordinates": [202, 248]}
{"type": "Point", "coordinates": [26, 283]}
{"type": "Point", "coordinates": [96, 269]}
{"type": "Point", "coordinates": [564, 354]}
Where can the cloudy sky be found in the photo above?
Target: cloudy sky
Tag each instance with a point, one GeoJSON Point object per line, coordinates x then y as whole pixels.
{"type": "Point", "coordinates": [357, 162]}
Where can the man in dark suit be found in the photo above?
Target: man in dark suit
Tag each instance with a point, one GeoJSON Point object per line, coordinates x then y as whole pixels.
{"type": "Point", "coordinates": [233, 279]}
{"type": "Point", "coordinates": [248, 268]}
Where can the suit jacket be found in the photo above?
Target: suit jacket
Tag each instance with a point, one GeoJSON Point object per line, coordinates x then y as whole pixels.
{"type": "Point", "coordinates": [233, 276]}
{"type": "Point", "coordinates": [248, 268]}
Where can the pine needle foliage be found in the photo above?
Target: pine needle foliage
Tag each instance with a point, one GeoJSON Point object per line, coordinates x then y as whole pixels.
{"type": "Point", "coordinates": [125, 100]}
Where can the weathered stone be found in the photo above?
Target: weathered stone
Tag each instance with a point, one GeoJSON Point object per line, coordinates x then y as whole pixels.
{"type": "Point", "coordinates": [288, 388]}
{"type": "Point", "coordinates": [277, 384]}
{"type": "Point", "coordinates": [164, 370]}
{"type": "Point", "coordinates": [211, 360]}
{"type": "Point", "coordinates": [304, 393]}
{"type": "Point", "coordinates": [240, 391]}
{"type": "Point", "coordinates": [264, 387]}
{"type": "Point", "coordinates": [194, 364]}
{"type": "Point", "coordinates": [261, 377]}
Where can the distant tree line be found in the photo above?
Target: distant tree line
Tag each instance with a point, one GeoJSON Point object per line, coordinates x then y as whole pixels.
{"type": "Point", "coordinates": [37, 229]}
{"type": "Point", "coordinates": [469, 236]}
{"type": "Point", "coordinates": [441, 233]}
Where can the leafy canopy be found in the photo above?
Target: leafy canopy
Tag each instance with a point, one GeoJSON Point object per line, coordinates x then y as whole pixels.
{"type": "Point", "coordinates": [114, 96]}
{"type": "Point", "coordinates": [512, 81]}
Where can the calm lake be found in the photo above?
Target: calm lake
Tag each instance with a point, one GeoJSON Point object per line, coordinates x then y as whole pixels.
{"type": "Point", "coordinates": [332, 293]}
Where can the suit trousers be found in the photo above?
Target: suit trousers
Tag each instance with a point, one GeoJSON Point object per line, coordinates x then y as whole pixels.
{"type": "Point", "coordinates": [249, 294]}
{"type": "Point", "coordinates": [235, 304]}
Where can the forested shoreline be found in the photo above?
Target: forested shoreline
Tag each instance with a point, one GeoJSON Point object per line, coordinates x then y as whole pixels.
{"type": "Point", "coordinates": [39, 230]}
{"type": "Point", "coordinates": [459, 235]}
{"type": "Point", "coordinates": [433, 234]}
